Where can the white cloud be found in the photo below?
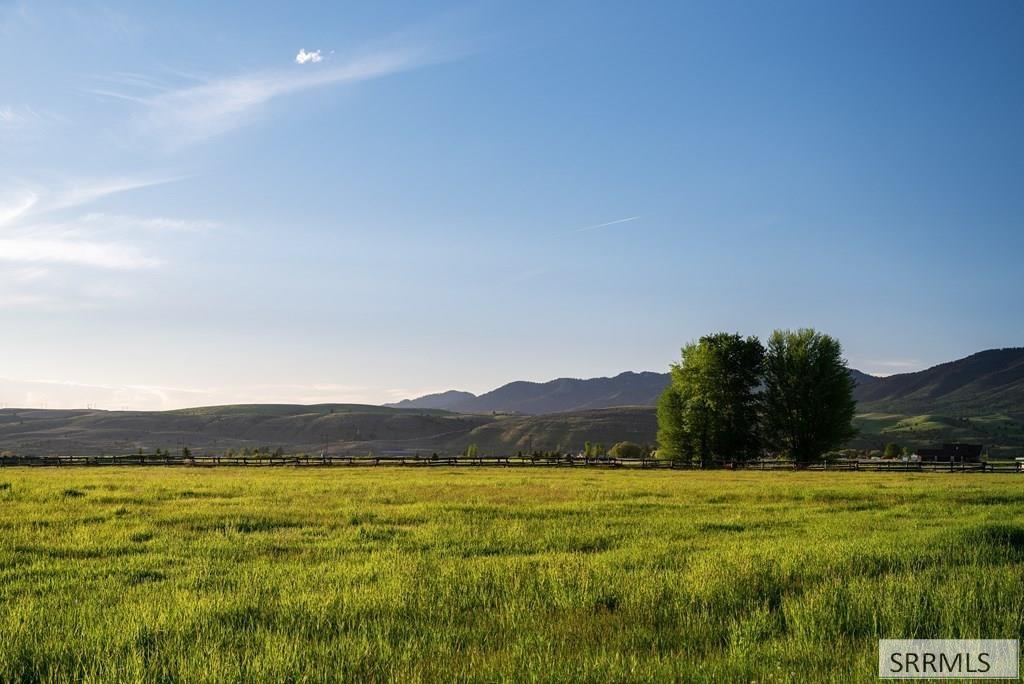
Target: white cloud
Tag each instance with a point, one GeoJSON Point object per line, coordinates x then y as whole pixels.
{"type": "Point", "coordinates": [78, 252]}
{"type": "Point", "coordinates": [158, 223]}
{"type": "Point", "coordinates": [86, 192]}
{"type": "Point", "coordinates": [69, 284]}
{"type": "Point", "coordinates": [19, 207]}
{"type": "Point", "coordinates": [54, 257]}
{"type": "Point", "coordinates": [29, 275]}
{"type": "Point", "coordinates": [19, 116]}
{"type": "Point", "coordinates": [24, 300]}
{"type": "Point", "coordinates": [195, 113]}
{"type": "Point", "coordinates": [12, 210]}
{"type": "Point", "coordinates": [56, 394]}
{"type": "Point", "coordinates": [61, 394]}
{"type": "Point", "coordinates": [24, 124]}
{"type": "Point", "coordinates": [304, 57]}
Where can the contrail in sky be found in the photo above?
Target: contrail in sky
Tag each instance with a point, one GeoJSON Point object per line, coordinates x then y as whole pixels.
{"type": "Point", "coordinates": [602, 225]}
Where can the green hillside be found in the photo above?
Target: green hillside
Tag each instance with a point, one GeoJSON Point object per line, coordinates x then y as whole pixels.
{"type": "Point", "coordinates": [215, 429]}
{"type": "Point", "coordinates": [344, 428]}
{"type": "Point", "coordinates": [1002, 435]}
{"type": "Point", "coordinates": [983, 384]}
{"type": "Point", "coordinates": [567, 431]}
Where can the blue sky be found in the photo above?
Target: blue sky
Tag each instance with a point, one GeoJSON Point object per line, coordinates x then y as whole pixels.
{"type": "Point", "coordinates": [208, 202]}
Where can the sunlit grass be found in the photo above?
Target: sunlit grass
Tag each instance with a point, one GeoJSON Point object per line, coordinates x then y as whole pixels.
{"type": "Point", "coordinates": [517, 575]}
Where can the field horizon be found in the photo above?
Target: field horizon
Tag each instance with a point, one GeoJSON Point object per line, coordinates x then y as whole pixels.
{"type": "Point", "coordinates": [975, 399]}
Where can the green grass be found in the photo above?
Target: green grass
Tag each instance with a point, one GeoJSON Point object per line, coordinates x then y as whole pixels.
{"type": "Point", "coordinates": [495, 575]}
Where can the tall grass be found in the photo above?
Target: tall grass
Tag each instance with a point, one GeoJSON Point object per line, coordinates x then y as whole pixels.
{"type": "Point", "coordinates": [403, 575]}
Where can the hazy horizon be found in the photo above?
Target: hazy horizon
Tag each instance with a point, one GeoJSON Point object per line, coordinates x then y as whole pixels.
{"type": "Point", "coordinates": [142, 398]}
{"type": "Point", "coordinates": [342, 203]}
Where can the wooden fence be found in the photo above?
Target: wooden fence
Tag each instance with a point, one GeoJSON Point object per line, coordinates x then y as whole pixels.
{"type": "Point", "coordinates": [212, 461]}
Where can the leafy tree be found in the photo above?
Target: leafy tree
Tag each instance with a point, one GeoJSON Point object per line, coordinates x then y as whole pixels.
{"type": "Point", "coordinates": [627, 450]}
{"type": "Point", "coordinates": [672, 435]}
{"type": "Point", "coordinates": [808, 394]}
{"type": "Point", "coordinates": [892, 450]}
{"type": "Point", "coordinates": [711, 408]}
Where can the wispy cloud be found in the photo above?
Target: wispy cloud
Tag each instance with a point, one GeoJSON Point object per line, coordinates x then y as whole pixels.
{"type": "Point", "coordinates": [77, 252]}
{"type": "Point", "coordinates": [62, 286]}
{"type": "Point", "coordinates": [87, 192]}
{"type": "Point", "coordinates": [50, 254]}
{"type": "Point", "coordinates": [22, 123]}
{"type": "Point", "coordinates": [36, 393]}
{"type": "Point", "coordinates": [605, 224]}
{"type": "Point", "coordinates": [32, 201]}
{"type": "Point", "coordinates": [157, 223]}
{"type": "Point", "coordinates": [12, 209]}
{"type": "Point", "coordinates": [212, 107]}
{"type": "Point", "coordinates": [315, 57]}
{"type": "Point", "coordinates": [9, 116]}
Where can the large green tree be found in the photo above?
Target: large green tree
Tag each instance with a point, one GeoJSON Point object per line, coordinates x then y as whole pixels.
{"type": "Point", "coordinates": [672, 437]}
{"type": "Point", "coordinates": [808, 394]}
{"type": "Point", "coordinates": [710, 411]}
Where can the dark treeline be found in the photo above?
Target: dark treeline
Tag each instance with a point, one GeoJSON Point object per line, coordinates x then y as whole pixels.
{"type": "Point", "coordinates": [731, 398]}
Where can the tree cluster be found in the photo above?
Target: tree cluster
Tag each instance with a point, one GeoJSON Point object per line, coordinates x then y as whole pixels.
{"type": "Point", "coordinates": [732, 399]}
{"type": "Point", "coordinates": [628, 449]}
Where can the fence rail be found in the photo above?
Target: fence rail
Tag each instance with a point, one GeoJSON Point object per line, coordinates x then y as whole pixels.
{"type": "Point", "coordinates": [212, 461]}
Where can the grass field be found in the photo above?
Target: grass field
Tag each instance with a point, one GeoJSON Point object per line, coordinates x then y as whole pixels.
{"type": "Point", "coordinates": [497, 575]}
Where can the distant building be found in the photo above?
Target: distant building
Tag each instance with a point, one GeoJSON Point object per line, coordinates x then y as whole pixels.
{"type": "Point", "coordinates": [952, 453]}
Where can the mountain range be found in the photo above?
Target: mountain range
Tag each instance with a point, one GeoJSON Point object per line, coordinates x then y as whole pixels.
{"type": "Point", "coordinates": [991, 381]}
{"type": "Point", "coordinates": [979, 398]}
{"type": "Point", "coordinates": [556, 396]}
{"type": "Point", "coordinates": [986, 382]}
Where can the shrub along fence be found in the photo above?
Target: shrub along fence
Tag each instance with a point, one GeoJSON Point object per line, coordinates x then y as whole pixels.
{"type": "Point", "coordinates": [558, 461]}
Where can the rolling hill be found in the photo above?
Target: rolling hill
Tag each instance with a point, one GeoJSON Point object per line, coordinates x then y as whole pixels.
{"type": "Point", "coordinates": [214, 429]}
{"type": "Point", "coordinates": [343, 428]}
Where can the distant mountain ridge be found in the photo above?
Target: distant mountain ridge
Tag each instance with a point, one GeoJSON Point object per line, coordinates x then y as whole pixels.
{"type": "Point", "coordinates": [990, 381]}
{"type": "Point", "coordinates": [439, 400]}
{"type": "Point", "coordinates": [556, 396]}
